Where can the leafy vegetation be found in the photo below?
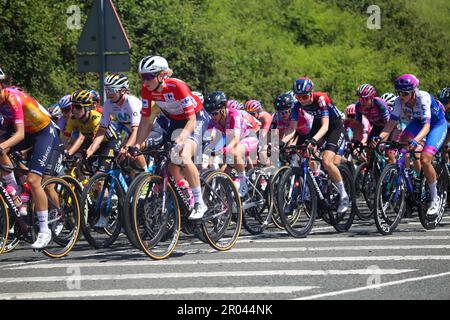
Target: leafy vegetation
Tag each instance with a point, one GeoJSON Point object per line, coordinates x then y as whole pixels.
{"type": "Point", "coordinates": [252, 49]}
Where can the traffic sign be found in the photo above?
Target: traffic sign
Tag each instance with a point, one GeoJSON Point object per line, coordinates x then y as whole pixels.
{"type": "Point", "coordinates": [114, 63]}
{"type": "Point", "coordinates": [115, 37]}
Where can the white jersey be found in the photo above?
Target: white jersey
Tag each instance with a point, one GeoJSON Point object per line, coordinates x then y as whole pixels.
{"type": "Point", "coordinates": [128, 114]}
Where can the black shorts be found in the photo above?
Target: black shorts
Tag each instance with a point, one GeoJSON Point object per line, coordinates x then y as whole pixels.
{"type": "Point", "coordinates": [334, 138]}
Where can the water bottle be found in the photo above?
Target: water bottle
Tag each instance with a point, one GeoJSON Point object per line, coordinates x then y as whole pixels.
{"type": "Point", "coordinates": [187, 191]}
{"type": "Point", "coordinates": [25, 197]}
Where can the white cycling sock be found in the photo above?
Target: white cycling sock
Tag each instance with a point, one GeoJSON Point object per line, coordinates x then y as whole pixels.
{"type": "Point", "coordinates": [10, 179]}
{"type": "Point", "coordinates": [341, 189]}
{"type": "Point", "coordinates": [242, 177]}
{"type": "Point", "coordinates": [43, 221]}
{"type": "Point", "coordinates": [197, 192]}
{"type": "Point", "coordinates": [433, 191]}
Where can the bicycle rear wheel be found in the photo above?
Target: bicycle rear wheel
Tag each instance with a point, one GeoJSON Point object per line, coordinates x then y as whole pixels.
{"type": "Point", "coordinates": [156, 217]}
{"type": "Point", "coordinates": [390, 201]}
{"type": "Point", "coordinates": [222, 223]}
{"type": "Point", "coordinates": [364, 183]}
{"type": "Point", "coordinates": [431, 222]}
{"type": "Point", "coordinates": [257, 216]}
{"type": "Point", "coordinates": [100, 198]}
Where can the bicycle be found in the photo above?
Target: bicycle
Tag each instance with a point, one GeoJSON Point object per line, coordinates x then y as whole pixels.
{"type": "Point", "coordinates": [160, 210]}
{"type": "Point", "coordinates": [64, 217]}
{"type": "Point", "coordinates": [396, 185]}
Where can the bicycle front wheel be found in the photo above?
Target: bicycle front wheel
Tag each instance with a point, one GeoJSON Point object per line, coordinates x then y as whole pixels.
{"type": "Point", "coordinates": [4, 226]}
{"type": "Point", "coordinates": [222, 223]}
{"type": "Point", "coordinates": [390, 201]}
{"type": "Point", "coordinates": [156, 217]}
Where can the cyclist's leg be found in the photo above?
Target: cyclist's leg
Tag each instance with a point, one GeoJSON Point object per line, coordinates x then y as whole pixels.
{"type": "Point", "coordinates": [434, 142]}
{"type": "Point", "coordinates": [44, 142]}
{"type": "Point", "coordinates": [411, 131]}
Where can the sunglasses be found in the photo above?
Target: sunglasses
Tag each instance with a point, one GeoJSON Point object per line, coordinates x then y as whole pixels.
{"type": "Point", "coordinates": [78, 106]}
{"type": "Point", "coordinates": [302, 96]}
{"type": "Point", "coordinates": [351, 116]}
{"type": "Point", "coordinates": [66, 110]}
{"type": "Point", "coordinates": [285, 112]}
{"type": "Point", "coordinates": [214, 113]}
{"type": "Point", "coordinates": [111, 91]}
{"type": "Point", "coordinates": [148, 76]}
{"type": "Point", "coordinates": [403, 93]}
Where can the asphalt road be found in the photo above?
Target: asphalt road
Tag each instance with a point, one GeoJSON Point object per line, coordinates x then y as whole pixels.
{"type": "Point", "coordinates": [361, 264]}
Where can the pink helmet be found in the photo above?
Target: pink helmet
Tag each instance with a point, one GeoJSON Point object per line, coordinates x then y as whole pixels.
{"type": "Point", "coordinates": [350, 110]}
{"type": "Point", "coordinates": [366, 91]}
{"type": "Point", "coordinates": [233, 104]}
{"type": "Point", "coordinates": [406, 82]}
{"type": "Point", "coordinates": [253, 106]}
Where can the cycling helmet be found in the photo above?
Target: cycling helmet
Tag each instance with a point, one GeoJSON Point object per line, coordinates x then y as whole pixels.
{"type": "Point", "coordinates": [215, 101]}
{"type": "Point", "coordinates": [284, 102]}
{"type": "Point", "coordinates": [233, 104]}
{"type": "Point", "coordinates": [82, 97]}
{"type": "Point", "coordinates": [55, 111]}
{"type": "Point", "coordinates": [444, 95]}
{"type": "Point", "coordinates": [366, 91]}
{"type": "Point", "coordinates": [389, 98]}
{"type": "Point", "coordinates": [350, 110]}
{"type": "Point", "coordinates": [406, 82]}
{"type": "Point", "coordinates": [252, 106]}
{"type": "Point", "coordinates": [65, 102]}
{"type": "Point", "coordinates": [199, 95]}
{"type": "Point", "coordinates": [2, 74]}
{"type": "Point", "coordinates": [153, 64]}
{"type": "Point", "coordinates": [116, 81]}
{"type": "Point", "coordinates": [303, 86]}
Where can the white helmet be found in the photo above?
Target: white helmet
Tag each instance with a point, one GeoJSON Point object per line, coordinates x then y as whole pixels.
{"type": "Point", "coordinates": [116, 81]}
{"type": "Point", "coordinates": [153, 64]}
{"type": "Point", "coordinates": [2, 74]}
{"type": "Point", "coordinates": [199, 95]}
{"type": "Point", "coordinates": [389, 98]}
{"type": "Point", "coordinates": [65, 102]}
{"type": "Point", "coordinates": [55, 111]}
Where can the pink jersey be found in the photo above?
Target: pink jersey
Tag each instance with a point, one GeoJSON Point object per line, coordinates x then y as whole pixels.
{"type": "Point", "coordinates": [351, 124]}
{"type": "Point", "coordinates": [234, 122]}
{"type": "Point", "coordinates": [20, 108]}
{"type": "Point", "coordinates": [176, 100]}
{"type": "Point", "coordinates": [304, 122]}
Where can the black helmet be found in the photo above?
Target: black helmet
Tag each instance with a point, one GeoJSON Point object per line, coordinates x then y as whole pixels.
{"type": "Point", "coordinates": [284, 102]}
{"type": "Point", "coordinates": [444, 95]}
{"type": "Point", "coordinates": [215, 101]}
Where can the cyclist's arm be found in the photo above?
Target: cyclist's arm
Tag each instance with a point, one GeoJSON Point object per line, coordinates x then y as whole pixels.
{"type": "Point", "coordinates": [290, 132]}
{"type": "Point", "coordinates": [384, 135]}
{"type": "Point", "coordinates": [132, 138]}
{"type": "Point", "coordinates": [357, 129]}
{"type": "Point", "coordinates": [323, 130]}
{"type": "Point", "coordinates": [76, 144]}
{"type": "Point", "coordinates": [97, 140]}
{"type": "Point", "coordinates": [16, 138]}
{"type": "Point", "coordinates": [423, 133]}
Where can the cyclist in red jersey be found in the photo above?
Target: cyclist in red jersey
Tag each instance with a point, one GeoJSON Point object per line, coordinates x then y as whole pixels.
{"type": "Point", "coordinates": [28, 125]}
{"type": "Point", "coordinates": [188, 120]}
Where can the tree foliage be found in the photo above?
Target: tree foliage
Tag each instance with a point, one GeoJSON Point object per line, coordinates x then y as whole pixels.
{"type": "Point", "coordinates": [251, 50]}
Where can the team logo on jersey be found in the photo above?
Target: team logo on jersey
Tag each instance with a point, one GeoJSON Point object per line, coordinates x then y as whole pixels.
{"type": "Point", "coordinates": [144, 104]}
{"type": "Point", "coordinates": [169, 97]}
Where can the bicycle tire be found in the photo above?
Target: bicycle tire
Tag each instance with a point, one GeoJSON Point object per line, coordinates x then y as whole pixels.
{"type": "Point", "coordinates": [221, 230]}
{"type": "Point", "coordinates": [66, 214]}
{"type": "Point", "coordinates": [431, 222]}
{"type": "Point", "coordinates": [299, 228]}
{"type": "Point", "coordinates": [145, 220]}
{"type": "Point", "coordinates": [361, 180]}
{"type": "Point", "coordinates": [256, 218]}
{"type": "Point", "coordinates": [100, 239]}
{"type": "Point", "coordinates": [386, 225]}
{"type": "Point", "coordinates": [127, 208]}
{"type": "Point", "coordinates": [4, 225]}
{"type": "Point", "coordinates": [274, 182]}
